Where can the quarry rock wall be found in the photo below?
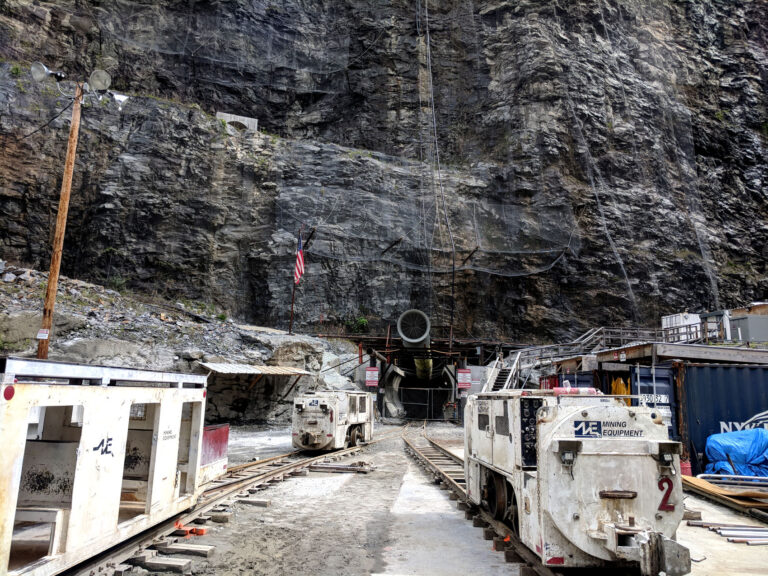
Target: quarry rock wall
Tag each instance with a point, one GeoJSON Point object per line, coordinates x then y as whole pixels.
{"type": "Point", "coordinates": [600, 162]}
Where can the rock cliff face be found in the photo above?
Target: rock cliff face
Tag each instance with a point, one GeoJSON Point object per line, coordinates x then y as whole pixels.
{"type": "Point", "coordinates": [600, 162]}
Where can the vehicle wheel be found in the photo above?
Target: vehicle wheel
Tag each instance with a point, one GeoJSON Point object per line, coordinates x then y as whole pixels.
{"type": "Point", "coordinates": [497, 496]}
{"type": "Point", "coordinates": [353, 437]}
{"type": "Point", "coordinates": [513, 512]}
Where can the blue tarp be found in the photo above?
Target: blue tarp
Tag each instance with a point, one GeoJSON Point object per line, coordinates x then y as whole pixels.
{"type": "Point", "coordinates": [747, 448]}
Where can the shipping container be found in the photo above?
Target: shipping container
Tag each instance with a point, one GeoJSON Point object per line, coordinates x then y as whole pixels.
{"type": "Point", "coordinates": [657, 385]}
{"type": "Point", "coordinates": [719, 398]}
{"type": "Point", "coordinates": [579, 380]}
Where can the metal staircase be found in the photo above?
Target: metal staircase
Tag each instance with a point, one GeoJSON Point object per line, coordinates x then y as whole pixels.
{"type": "Point", "coordinates": [501, 379]}
{"type": "Point", "coordinates": [501, 376]}
{"type": "Point", "coordinates": [515, 370]}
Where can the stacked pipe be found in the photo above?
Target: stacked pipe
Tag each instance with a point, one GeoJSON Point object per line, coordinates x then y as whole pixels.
{"type": "Point", "coordinates": [737, 533]}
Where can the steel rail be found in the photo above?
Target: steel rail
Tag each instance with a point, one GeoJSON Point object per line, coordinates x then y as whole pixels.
{"type": "Point", "coordinates": [254, 463]}
{"type": "Point", "coordinates": [261, 477]}
{"type": "Point", "coordinates": [446, 466]}
{"type": "Point", "coordinates": [209, 499]}
{"type": "Point", "coordinates": [528, 558]}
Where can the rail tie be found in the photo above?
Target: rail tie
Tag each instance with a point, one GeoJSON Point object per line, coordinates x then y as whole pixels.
{"type": "Point", "coordinates": [448, 469]}
{"type": "Point", "coordinates": [241, 478]}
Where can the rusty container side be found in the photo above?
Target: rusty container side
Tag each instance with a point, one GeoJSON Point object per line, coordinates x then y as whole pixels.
{"type": "Point", "coordinates": [215, 443]}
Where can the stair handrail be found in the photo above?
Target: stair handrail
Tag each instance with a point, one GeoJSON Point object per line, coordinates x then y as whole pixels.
{"type": "Point", "coordinates": [492, 372]}
{"type": "Point", "coordinates": [513, 373]}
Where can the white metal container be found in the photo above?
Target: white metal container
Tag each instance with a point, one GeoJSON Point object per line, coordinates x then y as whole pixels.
{"type": "Point", "coordinates": [91, 456]}
{"type": "Point", "coordinates": [585, 479]}
{"type": "Point", "coordinates": [681, 319]}
{"type": "Point", "coordinates": [332, 419]}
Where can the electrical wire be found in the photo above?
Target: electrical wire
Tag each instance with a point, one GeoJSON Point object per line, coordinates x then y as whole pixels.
{"type": "Point", "coordinates": [67, 107]}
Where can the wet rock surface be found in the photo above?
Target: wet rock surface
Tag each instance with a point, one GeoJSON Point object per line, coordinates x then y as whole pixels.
{"type": "Point", "coordinates": [602, 162]}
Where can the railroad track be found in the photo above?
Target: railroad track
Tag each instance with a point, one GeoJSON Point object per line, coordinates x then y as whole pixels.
{"type": "Point", "coordinates": [448, 469]}
{"type": "Point", "coordinates": [240, 479]}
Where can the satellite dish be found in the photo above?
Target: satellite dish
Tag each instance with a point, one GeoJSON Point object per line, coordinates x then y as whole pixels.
{"type": "Point", "coordinates": [39, 71]}
{"type": "Point", "coordinates": [100, 80]}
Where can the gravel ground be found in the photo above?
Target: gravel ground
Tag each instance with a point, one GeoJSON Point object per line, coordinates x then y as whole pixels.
{"type": "Point", "coordinates": [249, 443]}
{"type": "Point", "coordinates": [393, 521]}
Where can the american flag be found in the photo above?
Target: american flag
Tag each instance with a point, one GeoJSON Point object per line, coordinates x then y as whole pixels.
{"type": "Point", "coordinates": [299, 269]}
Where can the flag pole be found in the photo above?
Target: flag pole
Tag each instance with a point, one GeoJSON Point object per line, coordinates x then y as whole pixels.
{"type": "Point", "coordinates": [295, 282]}
{"type": "Point", "coordinates": [293, 299]}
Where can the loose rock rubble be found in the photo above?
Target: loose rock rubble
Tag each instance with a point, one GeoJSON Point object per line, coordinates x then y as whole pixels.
{"type": "Point", "coordinates": [99, 325]}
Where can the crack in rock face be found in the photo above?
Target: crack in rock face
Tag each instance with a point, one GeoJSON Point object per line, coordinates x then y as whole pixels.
{"type": "Point", "coordinates": [601, 162]}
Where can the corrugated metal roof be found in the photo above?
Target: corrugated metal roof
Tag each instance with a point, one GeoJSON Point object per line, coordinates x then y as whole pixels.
{"type": "Point", "coordinates": [221, 368]}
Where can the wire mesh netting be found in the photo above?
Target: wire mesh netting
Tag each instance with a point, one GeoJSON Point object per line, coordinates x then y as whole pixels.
{"type": "Point", "coordinates": [404, 225]}
{"type": "Point", "coordinates": [412, 216]}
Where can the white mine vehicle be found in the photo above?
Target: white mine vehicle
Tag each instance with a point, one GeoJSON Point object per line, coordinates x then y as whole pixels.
{"type": "Point", "coordinates": [582, 478]}
{"type": "Point", "coordinates": [331, 419]}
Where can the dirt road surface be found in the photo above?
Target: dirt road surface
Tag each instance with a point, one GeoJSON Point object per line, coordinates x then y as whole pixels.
{"type": "Point", "coordinates": [392, 521]}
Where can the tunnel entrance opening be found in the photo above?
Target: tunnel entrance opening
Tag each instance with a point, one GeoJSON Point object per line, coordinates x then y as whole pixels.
{"type": "Point", "coordinates": [424, 371]}
{"type": "Point", "coordinates": [427, 404]}
{"type": "Point", "coordinates": [434, 398]}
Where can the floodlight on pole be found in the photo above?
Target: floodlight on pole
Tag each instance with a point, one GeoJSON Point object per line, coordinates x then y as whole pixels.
{"type": "Point", "coordinates": [40, 72]}
{"type": "Point", "coordinates": [99, 80]}
{"type": "Point", "coordinates": [120, 99]}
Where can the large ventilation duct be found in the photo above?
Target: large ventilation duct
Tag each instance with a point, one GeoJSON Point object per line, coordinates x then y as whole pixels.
{"type": "Point", "coordinates": [413, 327]}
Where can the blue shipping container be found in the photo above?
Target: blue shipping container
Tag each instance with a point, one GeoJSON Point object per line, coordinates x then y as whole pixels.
{"type": "Point", "coordinates": [658, 385]}
{"type": "Point", "coordinates": [579, 380]}
{"type": "Point", "coordinates": [721, 398]}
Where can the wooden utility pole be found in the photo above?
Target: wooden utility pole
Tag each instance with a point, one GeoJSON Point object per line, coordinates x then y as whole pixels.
{"type": "Point", "coordinates": [61, 225]}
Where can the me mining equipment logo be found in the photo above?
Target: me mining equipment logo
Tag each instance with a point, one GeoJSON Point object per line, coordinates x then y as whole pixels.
{"type": "Point", "coordinates": [757, 421]}
{"type": "Point", "coordinates": [588, 429]}
{"type": "Point", "coordinates": [607, 429]}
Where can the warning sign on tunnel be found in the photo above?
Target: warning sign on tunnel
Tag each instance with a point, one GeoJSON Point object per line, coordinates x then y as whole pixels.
{"type": "Point", "coordinates": [371, 376]}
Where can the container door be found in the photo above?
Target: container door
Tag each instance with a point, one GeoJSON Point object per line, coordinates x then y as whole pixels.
{"type": "Point", "coordinates": [584, 379]}
{"type": "Point", "coordinates": [658, 386]}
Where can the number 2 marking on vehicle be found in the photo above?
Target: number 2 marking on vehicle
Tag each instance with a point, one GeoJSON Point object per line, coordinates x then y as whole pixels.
{"type": "Point", "coordinates": [666, 484]}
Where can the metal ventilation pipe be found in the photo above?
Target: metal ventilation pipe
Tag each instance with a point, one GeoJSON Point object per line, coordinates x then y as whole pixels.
{"type": "Point", "coordinates": [413, 327]}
